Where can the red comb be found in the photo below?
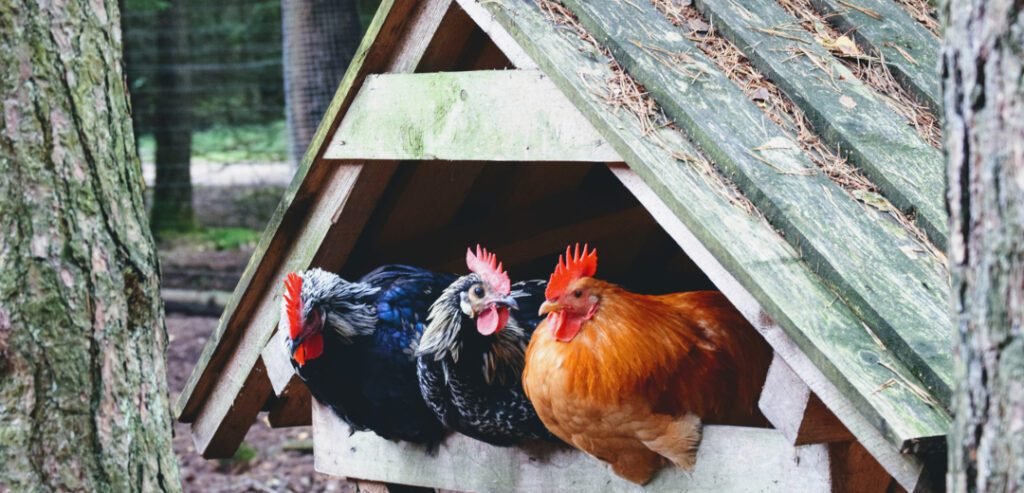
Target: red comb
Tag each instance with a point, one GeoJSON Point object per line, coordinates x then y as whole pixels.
{"type": "Point", "coordinates": [485, 264]}
{"type": "Point", "coordinates": [293, 303]}
{"type": "Point", "coordinates": [570, 268]}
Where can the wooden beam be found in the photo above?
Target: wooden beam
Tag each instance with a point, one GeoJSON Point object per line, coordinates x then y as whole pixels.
{"type": "Point", "coordinates": [226, 388]}
{"type": "Point", "coordinates": [729, 459]}
{"type": "Point", "coordinates": [766, 267]}
{"type": "Point", "coordinates": [883, 28]}
{"type": "Point", "coordinates": [498, 35]}
{"type": "Point", "coordinates": [795, 411]}
{"type": "Point", "coordinates": [901, 295]}
{"type": "Point", "coordinates": [275, 358]}
{"type": "Point", "coordinates": [855, 396]}
{"type": "Point", "coordinates": [291, 407]}
{"type": "Point", "coordinates": [854, 470]}
{"type": "Point", "coordinates": [847, 114]}
{"type": "Point", "coordinates": [465, 116]}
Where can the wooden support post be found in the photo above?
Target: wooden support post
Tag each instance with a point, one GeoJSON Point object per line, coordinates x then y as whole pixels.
{"type": "Point", "coordinates": [795, 411]}
{"type": "Point", "coordinates": [854, 470]}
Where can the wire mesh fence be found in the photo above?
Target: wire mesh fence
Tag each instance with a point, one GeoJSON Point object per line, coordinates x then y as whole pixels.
{"type": "Point", "coordinates": [208, 88]}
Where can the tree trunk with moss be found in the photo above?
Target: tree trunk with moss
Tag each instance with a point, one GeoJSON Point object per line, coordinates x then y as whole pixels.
{"type": "Point", "coordinates": [983, 70]}
{"type": "Point", "coordinates": [83, 392]}
{"type": "Point", "coordinates": [172, 130]}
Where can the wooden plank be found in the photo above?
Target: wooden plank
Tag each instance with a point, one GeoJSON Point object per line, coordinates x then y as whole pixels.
{"type": "Point", "coordinates": [424, 22]}
{"type": "Point", "coordinates": [729, 459]}
{"type": "Point", "coordinates": [855, 471]}
{"type": "Point", "coordinates": [901, 295]}
{"type": "Point", "coordinates": [450, 40]}
{"type": "Point", "coordinates": [498, 35]}
{"type": "Point", "coordinates": [292, 406]}
{"type": "Point", "coordinates": [465, 116]}
{"type": "Point", "coordinates": [847, 113]}
{"type": "Point", "coordinates": [837, 392]}
{"type": "Point", "coordinates": [275, 358]}
{"type": "Point", "coordinates": [376, 53]}
{"type": "Point", "coordinates": [745, 245]}
{"type": "Point", "coordinates": [795, 411]}
{"type": "Point", "coordinates": [215, 437]}
{"type": "Point", "coordinates": [883, 28]}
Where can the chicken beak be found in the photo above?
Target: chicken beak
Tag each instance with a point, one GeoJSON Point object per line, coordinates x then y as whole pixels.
{"type": "Point", "coordinates": [510, 302]}
{"type": "Point", "coordinates": [548, 307]}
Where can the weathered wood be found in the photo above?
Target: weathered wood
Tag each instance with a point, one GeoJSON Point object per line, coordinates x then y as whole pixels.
{"type": "Point", "coordinates": [745, 245]}
{"type": "Point", "coordinates": [883, 28]}
{"type": "Point", "coordinates": [874, 268]}
{"type": "Point", "coordinates": [795, 411]}
{"type": "Point", "coordinates": [217, 432]}
{"type": "Point", "coordinates": [876, 407]}
{"type": "Point", "coordinates": [454, 36]}
{"type": "Point", "coordinates": [275, 358]}
{"type": "Point", "coordinates": [375, 487]}
{"type": "Point", "coordinates": [465, 116]}
{"type": "Point", "coordinates": [855, 471]}
{"type": "Point", "coordinates": [729, 459]}
{"type": "Point", "coordinates": [498, 35]}
{"type": "Point", "coordinates": [847, 113]}
{"type": "Point", "coordinates": [228, 357]}
{"type": "Point", "coordinates": [292, 406]}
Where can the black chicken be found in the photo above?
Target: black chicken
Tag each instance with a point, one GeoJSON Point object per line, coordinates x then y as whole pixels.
{"type": "Point", "coordinates": [470, 358]}
{"type": "Point", "coordinates": [353, 343]}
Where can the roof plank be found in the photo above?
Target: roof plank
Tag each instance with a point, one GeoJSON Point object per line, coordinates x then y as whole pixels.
{"type": "Point", "coordinates": [900, 294]}
{"type": "Point", "coordinates": [847, 114]}
{"type": "Point", "coordinates": [883, 28]}
{"type": "Point", "coordinates": [458, 116]}
{"type": "Point", "coordinates": [745, 244]}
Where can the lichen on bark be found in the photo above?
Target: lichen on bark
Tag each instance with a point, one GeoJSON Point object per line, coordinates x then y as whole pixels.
{"type": "Point", "coordinates": [983, 90]}
{"type": "Point", "coordinates": [83, 393]}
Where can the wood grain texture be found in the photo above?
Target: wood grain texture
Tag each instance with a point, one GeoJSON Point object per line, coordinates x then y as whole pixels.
{"type": "Point", "coordinates": [900, 294]}
{"type": "Point", "coordinates": [909, 50]}
{"type": "Point", "coordinates": [867, 414]}
{"type": "Point", "coordinates": [847, 113]}
{"type": "Point", "coordinates": [465, 116]}
{"type": "Point", "coordinates": [795, 411]}
{"type": "Point", "coordinates": [767, 464]}
{"type": "Point", "coordinates": [745, 245]}
{"type": "Point", "coordinates": [498, 35]}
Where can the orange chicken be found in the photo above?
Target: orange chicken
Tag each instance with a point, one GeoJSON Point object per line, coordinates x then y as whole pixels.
{"type": "Point", "coordinates": [630, 378]}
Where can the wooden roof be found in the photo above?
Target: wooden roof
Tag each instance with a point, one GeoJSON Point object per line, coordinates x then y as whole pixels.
{"type": "Point", "coordinates": [849, 298]}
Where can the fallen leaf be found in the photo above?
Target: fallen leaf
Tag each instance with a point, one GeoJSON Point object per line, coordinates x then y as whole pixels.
{"type": "Point", "coordinates": [843, 45]}
{"type": "Point", "coordinates": [848, 102]}
{"type": "Point", "coordinates": [761, 94]}
{"type": "Point", "coordinates": [872, 199]}
{"type": "Point", "coordinates": [698, 25]}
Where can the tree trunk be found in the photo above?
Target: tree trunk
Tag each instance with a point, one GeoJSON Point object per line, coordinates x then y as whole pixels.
{"type": "Point", "coordinates": [83, 393]}
{"type": "Point", "coordinates": [320, 39]}
{"type": "Point", "coordinates": [984, 109]}
{"type": "Point", "coordinates": [172, 194]}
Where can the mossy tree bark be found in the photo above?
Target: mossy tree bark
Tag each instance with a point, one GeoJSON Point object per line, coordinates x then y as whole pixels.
{"type": "Point", "coordinates": [172, 130]}
{"type": "Point", "coordinates": [83, 392]}
{"type": "Point", "coordinates": [983, 72]}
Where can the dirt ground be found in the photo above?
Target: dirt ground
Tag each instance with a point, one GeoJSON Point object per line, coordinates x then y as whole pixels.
{"type": "Point", "coordinates": [267, 461]}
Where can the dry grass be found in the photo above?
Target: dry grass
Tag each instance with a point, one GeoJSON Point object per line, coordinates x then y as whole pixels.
{"type": "Point", "coordinates": [782, 111]}
{"type": "Point", "coordinates": [622, 92]}
{"type": "Point", "coordinates": [922, 12]}
{"type": "Point", "coordinates": [869, 69]}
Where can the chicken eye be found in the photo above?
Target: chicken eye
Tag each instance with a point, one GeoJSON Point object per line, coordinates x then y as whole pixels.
{"type": "Point", "coordinates": [578, 293]}
{"type": "Point", "coordinates": [478, 292]}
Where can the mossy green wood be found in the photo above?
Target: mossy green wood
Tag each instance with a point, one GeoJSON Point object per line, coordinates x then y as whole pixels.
{"type": "Point", "coordinates": [900, 293]}
{"type": "Point", "coordinates": [774, 273]}
{"type": "Point", "coordinates": [499, 115]}
{"type": "Point", "coordinates": [197, 386]}
{"type": "Point", "coordinates": [843, 110]}
{"type": "Point", "coordinates": [884, 28]}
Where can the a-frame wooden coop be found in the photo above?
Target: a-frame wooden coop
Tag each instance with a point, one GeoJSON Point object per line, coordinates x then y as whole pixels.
{"type": "Point", "coordinates": [512, 123]}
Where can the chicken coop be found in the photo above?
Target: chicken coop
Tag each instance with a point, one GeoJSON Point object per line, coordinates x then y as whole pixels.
{"type": "Point", "coordinates": [739, 146]}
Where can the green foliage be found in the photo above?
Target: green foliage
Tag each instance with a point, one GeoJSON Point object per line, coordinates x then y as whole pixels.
{"type": "Point", "coordinates": [224, 144]}
{"type": "Point", "coordinates": [243, 459]}
{"type": "Point", "coordinates": [213, 238]}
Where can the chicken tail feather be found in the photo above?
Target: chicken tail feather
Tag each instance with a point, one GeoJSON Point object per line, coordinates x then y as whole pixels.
{"type": "Point", "coordinates": [678, 442]}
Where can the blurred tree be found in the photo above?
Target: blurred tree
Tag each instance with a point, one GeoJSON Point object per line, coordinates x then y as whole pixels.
{"type": "Point", "coordinates": [983, 69]}
{"type": "Point", "coordinates": [172, 130]}
{"type": "Point", "coordinates": [320, 38]}
{"type": "Point", "coordinates": [83, 391]}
